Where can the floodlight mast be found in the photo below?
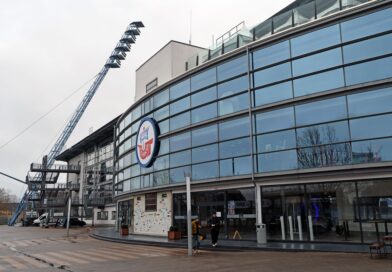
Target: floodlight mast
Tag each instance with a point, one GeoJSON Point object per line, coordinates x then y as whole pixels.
{"type": "Point", "coordinates": [114, 61]}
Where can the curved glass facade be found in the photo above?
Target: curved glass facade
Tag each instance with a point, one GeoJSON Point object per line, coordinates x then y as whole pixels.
{"type": "Point", "coordinates": [303, 102]}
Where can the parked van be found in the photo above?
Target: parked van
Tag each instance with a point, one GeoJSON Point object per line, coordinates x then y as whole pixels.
{"type": "Point", "coordinates": [40, 220]}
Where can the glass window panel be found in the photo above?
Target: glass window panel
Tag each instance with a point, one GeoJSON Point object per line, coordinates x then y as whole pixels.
{"type": "Point", "coordinates": [136, 113]}
{"type": "Point", "coordinates": [180, 121]}
{"type": "Point", "coordinates": [181, 141]}
{"type": "Point", "coordinates": [372, 151]}
{"type": "Point", "coordinates": [242, 166]}
{"type": "Point", "coordinates": [372, 102]}
{"type": "Point", "coordinates": [232, 87]}
{"type": "Point", "coordinates": [234, 148]}
{"type": "Point", "coordinates": [232, 68]}
{"type": "Point", "coordinates": [203, 97]}
{"type": "Point", "coordinates": [161, 113]}
{"type": "Point", "coordinates": [317, 62]}
{"type": "Point", "coordinates": [180, 89]}
{"type": "Point", "coordinates": [274, 93]}
{"type": "Point", "coordinates": [161, 163]}
{"type": "Point", "coordinates": [180, 105]}
{"type": "Point", "coordinates": [352, 3]}
{"type": "Point", "coordinates": [205, 153]}
{"type": "Point", "coordinates": [304, 13]}
{"type": "Point", "coordinates": [368, 49]}
{"type": "Point", "coordinates": [180, 158]}
{"type": "Point", "coordinates": [324, 156]}
{"type": "Point", "coordinates": [234, 104]}
{"type": "Point", "coordinates": [323, 134]}
{"type": "Point", "coordinates": [205, 135]}
{"type": "Point", "coordinates": [234, 128]}
{"type": "Point", "coordinates": [264, 29]}
{"type": "Point", "coordinates": [161, 178]}
{"type": "Point", "coordinates": [203, 79]}
{"type": "Point", "coordinates": [371, 127]}
{"type": "Point", "coordinates": [204, 113]}
{"type": "Point", "coordinates": [135, 183]}
{"type": "Point", "coordinates": [135, 170]}
{"type": "Point", "coordinates": [273, 74]}
{"type": "Point", "coordinates": [369, 71]}
{"type": "Point", "coordinates": [276, 141]}
{"type": "Point", "coordinates": [177, 175]}
{"type": "Point", "coordinates": [325, 7]}
{"type": "Point", "coordinates": [205, 170]}
{"type": "Point", "coordinates": [161, 98]}
{"type": "Point", "coordinates": [277, 161]}
{"type": "Point", "coordinates": [163, 146]}
{"type": "Point", "coordinates": [164, 127]}
{"type": "Point", "coordinates": [315, 40]}
{"type": "Point", "coordinates": [270, 55]}
{"type": "Point", "coordinates": [319, 83]}
{"type": "Point", "coordinates": [275, 120]}
{"type": "Point", "coordinates": [321, 111]}
{"type": "Point", "coordinates": [367, 25]}
{"type": "Point", "coordinates": [226, 168]}
{"type": "Point", "coordinates": [282, 21]}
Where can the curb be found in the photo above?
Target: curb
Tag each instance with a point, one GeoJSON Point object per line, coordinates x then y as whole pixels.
{"type": "Point", "coordinates": [221, 248]}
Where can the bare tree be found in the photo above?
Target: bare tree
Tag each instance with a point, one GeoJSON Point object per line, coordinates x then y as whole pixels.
{"type": "Point", "coordinates": [321, 152]}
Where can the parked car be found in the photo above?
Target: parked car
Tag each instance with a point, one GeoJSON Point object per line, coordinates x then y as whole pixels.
{"type": "Point", "coordinates": [40, 219]}
{"type": "Point", "coordinates": [72, 222]}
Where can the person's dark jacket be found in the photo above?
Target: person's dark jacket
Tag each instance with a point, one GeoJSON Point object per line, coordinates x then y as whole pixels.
{"type": "Point", "coordinates": [215, 223]}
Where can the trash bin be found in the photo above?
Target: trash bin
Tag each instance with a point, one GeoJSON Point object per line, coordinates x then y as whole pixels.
{"type": "Point", "coordinates": [261, 232]}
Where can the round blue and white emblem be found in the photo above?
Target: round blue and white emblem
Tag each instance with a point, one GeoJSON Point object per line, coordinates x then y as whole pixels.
{"type": "Point", "coordinates": [147, 144]}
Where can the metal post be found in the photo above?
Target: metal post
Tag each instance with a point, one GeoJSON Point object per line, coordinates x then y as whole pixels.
{"type": "Point", "coordinates": [69, 211]}
{"type": "Point", "coordinates": [189, 214]}
{"type": "Point", "coordinates": [291, 228]}
{"type": "Point", "coordinates": [300, 227]}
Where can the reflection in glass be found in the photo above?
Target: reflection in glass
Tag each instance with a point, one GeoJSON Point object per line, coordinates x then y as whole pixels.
{"type": "Point", "coordinates": [180, 141]}
{"type": "Point", "coordinates": [204, 135]}
{"type": "Point", "coordinates": [179, 89]}
{"type": "Point", "coordinates": [317, 62]}
{"type": "Point", "coordinates": [321, 111]}
{"type": "Point", "coordinates": [275, 120]}
{"type": "Point", "coordinates": [204, 113]}
{"type": "Point", "coordinates": [367, 25]}
{"type": "Point", "coordinates": [180, 158]}
{"type": "Point", "coordinates": [273, 74]}
{"type": "Point", "coordinates": [205, 170]}
{"type": "Point", "coordinates": [203, 79]}
{"type": "Point", "coordinates": [226, 168]}
{"type": "Point", "coordinates": [368, 49]}
{"type": "Point", "coordinates": [315, 40]}
{"type": "Point", "coordinates": [277, 161]}
{"type": "Point", "coordinates": [319, 82]}
{"type": "Point", "coordinates": [180, 121]}
{"type": "Point", "coordinates": [372, 102]}
{"type": "Point", "coordinates": [276, 141]}
{"type": "Point", "coordinates": [270, 55]}
{"type": "Point", "coordinates": [234, 148]}
{"type": "Point", "coordinates": [180, 105]}
{"type": "Point", "coordinates": [242, 166]}
{"type": "Point", "coordinates": [161, 98]}
{"type": "Point", "coordinates": [232, 87]}
{"type": "Point", "coordinates": [234, 128]}
{"type": "Point", "coordinates": [371, 127]}
{"type": "Point", "coordinates": [324, 156]}
{"type": "Point", "coordinates": [205, 153]}
{"type": "Point", "coordinates": [372, 151]}
{"type": "Point", "coordinates": [273, 93]}
{"type": "Point", "coordinates": [203, 97]}
{"type": "Point", "coordinates": [234, 104]}
{"type": "Point", "coordinates": [232, 68]}
{"type": "Point", "coordinates": [161, 178]}
{"type": "Point", "coordinates": [369, 71]}
{"type": "Point", "coordinates": [323, 134]}
{"type": "Point", "coordinates": [178, 175]}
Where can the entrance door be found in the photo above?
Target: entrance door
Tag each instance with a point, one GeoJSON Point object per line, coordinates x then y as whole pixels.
{"type": "Point", "coordinates": [206, 209]}
{"type": "Point", "coordinates": [284, 212]}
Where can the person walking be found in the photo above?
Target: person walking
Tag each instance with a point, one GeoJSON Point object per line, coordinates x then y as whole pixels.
{"type": "Point", "coordinates": [195, 235]}
{"type": "Point", "coordinates": [215, 226]}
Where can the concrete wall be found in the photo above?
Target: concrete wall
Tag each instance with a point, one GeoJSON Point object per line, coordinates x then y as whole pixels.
{"type": "Point", "coordinates": [166, 64]}
{"type": "Point", "coordinates": [153, 223]}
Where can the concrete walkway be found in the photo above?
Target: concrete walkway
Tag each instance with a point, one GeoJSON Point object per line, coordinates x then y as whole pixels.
{"type": "Point", "coordinates": [110, 234]}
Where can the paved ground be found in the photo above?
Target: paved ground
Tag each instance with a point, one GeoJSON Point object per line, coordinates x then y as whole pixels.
{"type": "Point", "coordinates": [36, 249]}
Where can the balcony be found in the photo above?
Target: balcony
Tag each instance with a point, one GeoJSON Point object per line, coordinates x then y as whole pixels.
{"type": "Point", "coordinates": [50, 178]}
{"type": "Point", "coordinates": [57, 168]}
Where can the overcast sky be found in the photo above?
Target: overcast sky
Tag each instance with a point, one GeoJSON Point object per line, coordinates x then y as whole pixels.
{"type": "Point", "coordinates": [50, 48]}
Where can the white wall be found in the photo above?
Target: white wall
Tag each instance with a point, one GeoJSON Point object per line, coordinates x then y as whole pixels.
{"type": "Point", "coordinates": [153, 223]}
